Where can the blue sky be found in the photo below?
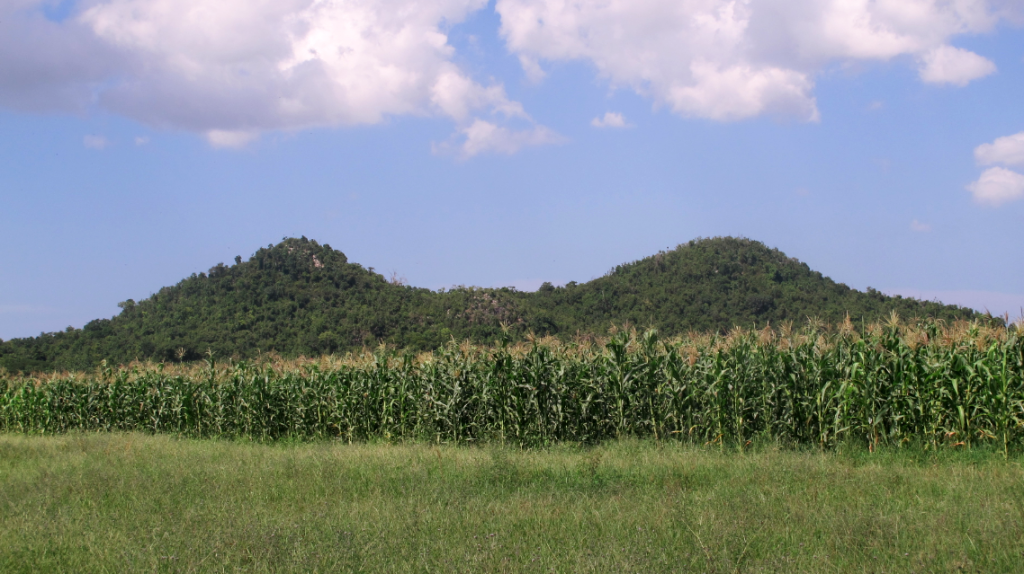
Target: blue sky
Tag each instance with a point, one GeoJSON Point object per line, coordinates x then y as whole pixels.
{"type": "Point", "coordinates": [507, 143]}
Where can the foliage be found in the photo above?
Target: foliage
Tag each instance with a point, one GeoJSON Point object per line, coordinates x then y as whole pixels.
{"type": "Point", "coordinates": [891, 384]}
{"type": "Point", "coordinates": [714, 285]}
{"type": "Point", "coordinates": [302, 298]}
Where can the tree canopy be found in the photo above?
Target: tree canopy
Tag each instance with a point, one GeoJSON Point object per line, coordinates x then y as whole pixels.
{"type": "Point", "coordinates": [302, 298]}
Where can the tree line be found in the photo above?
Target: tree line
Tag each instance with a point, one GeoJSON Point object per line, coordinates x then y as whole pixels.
{"type": "Point", "coordinates": [303, 298]}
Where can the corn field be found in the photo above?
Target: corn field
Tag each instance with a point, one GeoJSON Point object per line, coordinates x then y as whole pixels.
{"type": "Point", "coordinates": [889, 384]}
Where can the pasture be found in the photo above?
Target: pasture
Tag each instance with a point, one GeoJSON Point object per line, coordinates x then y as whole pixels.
{"type": "Point", "coordinates": [111, 502]}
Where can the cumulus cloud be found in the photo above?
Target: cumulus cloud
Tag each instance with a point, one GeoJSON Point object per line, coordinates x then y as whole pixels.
{"type": "Point", "coordinates": [235, 68]}
{"type": "Point", "coordinates": [534, 73]}
{"type": "Point", "coordinates": [47, 66]}
{"type": "Point", "coordinates": [996, 186]}
{"type": "Point", "coordinates": [486, 137]}
{"type": "Point", "coordinates": [1008, 150]}
{"type": "Point", "coordinates": [95, 142]}
{"type": "Point", "coordinates": [735, 59]}
{"type": "Point", "coordinates": [949, 65]}
{"type": "Point", "coordinates": [231, 139]}
{"type": "Point", "coordinates": [610, 120]}
{"type": "Point", "coordinates": [739, 92]}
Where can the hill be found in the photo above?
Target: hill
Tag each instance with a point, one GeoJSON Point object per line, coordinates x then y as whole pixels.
{"type": "Point", "coordinates": [300, 297]}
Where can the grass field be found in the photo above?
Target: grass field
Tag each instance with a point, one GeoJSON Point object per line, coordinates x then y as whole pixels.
{"type": "Point", "coordinates": [104, 502]}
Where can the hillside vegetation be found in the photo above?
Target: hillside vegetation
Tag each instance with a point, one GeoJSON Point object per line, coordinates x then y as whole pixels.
{"type": "Point", "coordinates": [302, 298]}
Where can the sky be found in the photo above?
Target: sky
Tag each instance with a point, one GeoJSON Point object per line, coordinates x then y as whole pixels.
{"type": "Point", "coordinates": [506, 143]}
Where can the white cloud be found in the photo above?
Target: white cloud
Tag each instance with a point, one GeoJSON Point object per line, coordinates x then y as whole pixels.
{"type": "Point", "coordinates": [485, 137]}
{"type": "Point", "coordinates": [141, 140]}
{"type": "Point", "coordinates": [611, 120]}
{"type": "Point", "coordinates": [1008, 150]}
{"type": "Point", "coordinates": [457, 97]}
{"type": "Point", "coordinates": [919, 227]}
{"type": "Point", "coordinates": [996, 186]}
{"type": "Point", "coordinates": [534, 73]}
{"type": "Point", "coordinates": [249, 66]}
{"type": "Point", "coordinates": [46, 66]}
{"type": "Point", "coordinates": [735, 59]}
{"type": "Point", "coordinates": [231, 139]}
{"type": "Point", "coordinates": [235, 68]}
{"type": "Point", "coordinates": [740, 92]}
{"type": "Point", "coordinates": [95, 142]}
{"type": "Point", "coordinates": [949, 65]}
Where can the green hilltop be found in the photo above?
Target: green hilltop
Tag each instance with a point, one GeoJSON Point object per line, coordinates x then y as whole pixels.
{"type": "Point", "coordinates": [302, 298]}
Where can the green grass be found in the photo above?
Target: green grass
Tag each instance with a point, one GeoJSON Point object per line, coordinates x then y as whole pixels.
{"type": "Point", "coordinates": [134, 502]}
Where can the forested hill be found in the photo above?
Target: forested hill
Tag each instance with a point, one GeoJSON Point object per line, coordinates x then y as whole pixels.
{"type": "Point", "coordinates": [299, 297]}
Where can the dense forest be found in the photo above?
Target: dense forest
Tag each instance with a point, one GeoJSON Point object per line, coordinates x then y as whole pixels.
{"type": "Point", "coordinates": [302, 298]}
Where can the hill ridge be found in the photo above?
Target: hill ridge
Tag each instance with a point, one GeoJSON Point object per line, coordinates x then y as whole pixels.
{"type": "Point", "coordinates": [301, 297]}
